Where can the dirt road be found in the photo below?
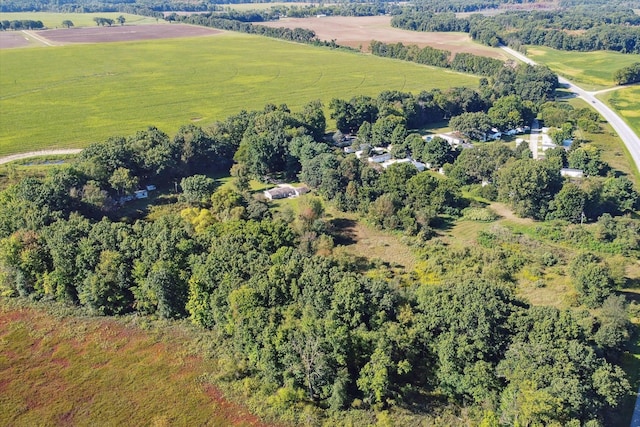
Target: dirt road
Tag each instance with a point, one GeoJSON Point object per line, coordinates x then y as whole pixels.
{"type": "Point", "coordinates": [14, 157]}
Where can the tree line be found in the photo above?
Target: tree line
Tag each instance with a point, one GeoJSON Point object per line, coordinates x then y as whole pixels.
{"type": "Point", "coordinates": [463, 62]}
{"type": "Point", "coordinates": [24, 24]}
{"type": "Point", "coordinates": [576, 28]}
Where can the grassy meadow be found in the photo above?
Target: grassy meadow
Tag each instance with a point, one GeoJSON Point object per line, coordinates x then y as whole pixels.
{"type": "Point", "coordinates": [590, 70]}
{"type": "Point", "coordinates": [53, 20]}
{"type": "Point", "coordinates": [70, 96]}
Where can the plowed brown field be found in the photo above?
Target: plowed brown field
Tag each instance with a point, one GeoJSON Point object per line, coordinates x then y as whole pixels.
{"type": "Point", "coordinates": [359, 31]}
{"type": "Point", "coordinates": [124, 33]}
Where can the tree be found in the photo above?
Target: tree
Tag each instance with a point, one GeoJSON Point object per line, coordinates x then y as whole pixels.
{"type": "Point", "coordinates": [67, 23]}
{"type": "Point", "coordinates": [437, 152]}
{"type": "Point", "coordinates": [592, 279]}
{"type": "Point", "coordinates": [123, 181]}
{"type": "Point", "coordinates": [509, 112]}
{"type": "Point", "coordinates": [106, 290]}
{"type": "Point", "coordinates": [312, 117]}
{"type": "Point", "coordinates": [568, 204]}
{"type": "Point", "coordinates": [474, 125]}
{"type": "Point", "coordinates": [528, 186]}
{"type": "Point", "coordinates": [197, 188]}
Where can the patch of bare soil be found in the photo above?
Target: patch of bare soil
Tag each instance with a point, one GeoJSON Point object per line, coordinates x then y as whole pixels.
{"type": "Point", "coordinates": [13, 39]}
{"type": "Point", "coordinates": [123, 33]}
{"type": "Point", "coordinates": [359, 31]}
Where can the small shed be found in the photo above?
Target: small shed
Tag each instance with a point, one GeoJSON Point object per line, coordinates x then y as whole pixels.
{"type": "Point", "coordinates": [141, 194]}
{"type": "Point", "coordinates": [572, 173]}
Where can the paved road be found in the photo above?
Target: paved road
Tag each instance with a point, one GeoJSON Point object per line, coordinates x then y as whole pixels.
{"type": "Point", "coordinates": [624, 131]}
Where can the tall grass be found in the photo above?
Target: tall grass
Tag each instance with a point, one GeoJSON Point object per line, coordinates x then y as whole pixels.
{"type": "Point", "coordinates": [62, 369]}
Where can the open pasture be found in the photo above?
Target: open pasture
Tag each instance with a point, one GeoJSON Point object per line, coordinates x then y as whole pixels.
{"type": "Point", "coordinates": [54, 20]}
{"type": "Point", "coordinates": [70, 96]}
{"type": "Point", "coordinates": [590, 70]}
{"type": "Point", "coordinates": [360, 30]}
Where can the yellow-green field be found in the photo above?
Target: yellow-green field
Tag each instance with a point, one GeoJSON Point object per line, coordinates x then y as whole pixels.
{"type": "Point", "coordinates": [53, 20]}
{"type": "Point", "coordinates": [627, 103]}
{"type": "Point", "coordinates": [70, 96]}
{"type": "Point", "coordinates": [590, 70]}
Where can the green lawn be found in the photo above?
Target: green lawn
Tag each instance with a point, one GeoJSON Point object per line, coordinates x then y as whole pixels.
{"type": "Point", "coordinates": [590, 70]}
{"type": "Point", "coordinates": [70, 96]}
{"type": "Point", "coordinates": [53, 20]}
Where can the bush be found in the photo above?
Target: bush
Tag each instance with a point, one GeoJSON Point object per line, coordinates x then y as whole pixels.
{"type": "Point", "coordinates": [479, 214]}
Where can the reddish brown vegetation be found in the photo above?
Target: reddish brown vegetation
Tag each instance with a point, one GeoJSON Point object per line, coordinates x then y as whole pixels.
{"type": "Point", "coordinates": [124, 33]}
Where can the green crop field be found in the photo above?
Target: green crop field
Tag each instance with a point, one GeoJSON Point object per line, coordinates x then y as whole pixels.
{"type": "Point", "coordinates": [590, 70]}
{"type": "Point", "coordinates": [70, 96]}
{"type": "Point", "coordinates": [627, 103]}
{"type": "Point", "coordinates": [53, 20]}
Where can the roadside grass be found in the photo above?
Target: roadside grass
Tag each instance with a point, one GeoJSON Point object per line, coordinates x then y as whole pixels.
{"type": "Point", "coordinates": [626, 102]}
{"type": "Point", "coordinates": [613, 150]}
{"type": "Point", "coordinates": [590, 70]}
{"type": "Point", "coordinates": [75, 370]}
{"type": "Point", "coordinates": [54, 20]}
{"type": "Point", "coordinates": [91, 92]}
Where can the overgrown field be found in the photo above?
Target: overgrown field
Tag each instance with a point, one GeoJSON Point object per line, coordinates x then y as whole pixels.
{"type": "Point", "coordinates": [53, 20]}
{"type": "Point", "coordinates": [88, 371]}
{"type": "Point", "coordinates": [71, 96]}
{"type": "Point", "coordinates": [590, 70]}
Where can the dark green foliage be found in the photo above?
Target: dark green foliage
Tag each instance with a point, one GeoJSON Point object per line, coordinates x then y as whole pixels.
{"type": "Point", "coordinates": [592, 279]}
{"type": "Point", "coordinates": [528, 186]}
{"type": "Point", "coordinates": [627, 75]}
{"type": "Point", "coordinates": [196, 189]}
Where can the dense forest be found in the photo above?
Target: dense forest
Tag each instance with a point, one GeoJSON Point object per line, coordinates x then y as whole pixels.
{"type": "Point", "coordinates": [320, 333]}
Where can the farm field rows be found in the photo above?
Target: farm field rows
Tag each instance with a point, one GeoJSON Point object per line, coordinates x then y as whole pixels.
{"type": "Point", "coordinates": [70, 96]}
{"type": "Point", "coordinates": [359, 31]}
{"type": "Point", "coordinates": [590, 70]}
